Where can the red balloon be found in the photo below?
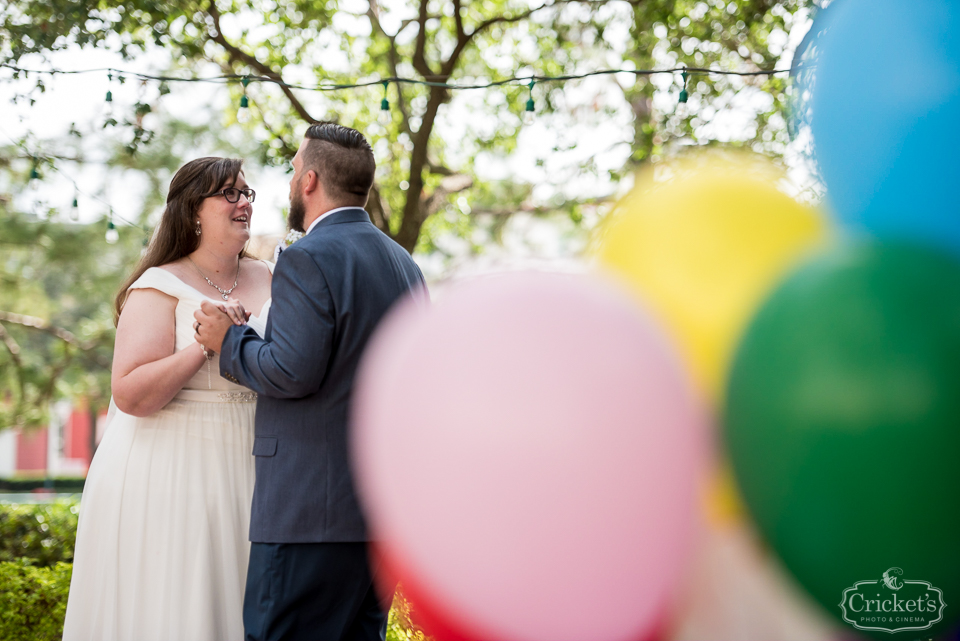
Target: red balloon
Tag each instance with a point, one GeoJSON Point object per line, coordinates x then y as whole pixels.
{"type": "Point", "coordinates": [428, 615]}
{"type": "Point", "coordinates": [425, 614]}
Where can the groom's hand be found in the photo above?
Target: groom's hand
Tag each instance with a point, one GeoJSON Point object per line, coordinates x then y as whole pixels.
{"type": "Point", "coordinates": [211, 326]}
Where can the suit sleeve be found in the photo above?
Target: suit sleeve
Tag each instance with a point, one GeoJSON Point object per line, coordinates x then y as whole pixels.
{"type": "Point", "coordinates": [293, 363]}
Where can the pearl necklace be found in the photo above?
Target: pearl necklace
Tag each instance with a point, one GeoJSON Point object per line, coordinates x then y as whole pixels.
{"type": "Point", "coordinates": [224, 293]}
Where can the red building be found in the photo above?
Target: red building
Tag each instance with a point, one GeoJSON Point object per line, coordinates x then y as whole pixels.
{"type": "Point", "coordinates": [62, 449]}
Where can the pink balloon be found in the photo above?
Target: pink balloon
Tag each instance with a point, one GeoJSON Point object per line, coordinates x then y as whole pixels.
{"type": "Point", "coordinates": [529, 451]}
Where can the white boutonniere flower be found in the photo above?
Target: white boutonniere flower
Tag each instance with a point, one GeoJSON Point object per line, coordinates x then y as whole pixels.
{"type": "Point", "coordinates": [291, 237]}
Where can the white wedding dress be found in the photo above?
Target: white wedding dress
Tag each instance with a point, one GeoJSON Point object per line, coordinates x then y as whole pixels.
{"type": "Point", "coordinates": [162, 545]}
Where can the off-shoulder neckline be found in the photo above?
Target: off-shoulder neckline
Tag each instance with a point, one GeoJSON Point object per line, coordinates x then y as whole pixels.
{"type": "Point", "coordinates": [201, 294]}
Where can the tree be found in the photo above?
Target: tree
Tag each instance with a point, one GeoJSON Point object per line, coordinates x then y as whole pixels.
{"type": "Point", "coordinates": [428, 149]}
{"type": "Point", "coordinates": [422, 167]}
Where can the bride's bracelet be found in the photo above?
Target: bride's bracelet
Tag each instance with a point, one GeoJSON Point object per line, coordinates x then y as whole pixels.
{"type": "Point", "coordinates": [207, 353]}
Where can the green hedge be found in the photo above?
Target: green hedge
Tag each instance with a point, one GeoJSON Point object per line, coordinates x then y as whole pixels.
{"type": "Point", "coordinates": [66, 484]}
{"type": "Point", "coordinates": [36, 548]}
{"type": "Point", "coordinates": [33, 600]}
{"type": "Point", "coordinates": [42, 532]}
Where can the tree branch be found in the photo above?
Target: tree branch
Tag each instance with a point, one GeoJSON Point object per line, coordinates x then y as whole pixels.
{"type": "Point", "coordinates": [439, 170]}
{"type": "Point", "coordinates": [461, 34]}
{"type": "Point", "coordinates": [419, 55]}
{"type": "Point", "coordinates": [413, 214]}
{"type": "Point", "coordinates": [453, 184]}
{"type": "Point", "coordinates": [379, 214]}
{"type": "Point", "coordinates": [47, 392]}
{"type": "Point", "coordinates": [86, 347]}
{"type": "Point", "coordinates": [287, 149]}
{"type": "Point", "coordinates": [238, 55]}
{"type": "Point", "coordinates": [41, 325]}
{"type": "Point", "coordinates": [546, 5]}
{"type": "Point", "coordinates": [394, 61]}
{"type": "Point", "coordinates": [11, 346]}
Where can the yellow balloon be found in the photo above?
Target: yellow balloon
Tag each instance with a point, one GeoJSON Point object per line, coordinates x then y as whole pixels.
{"type": "Point", "coordinates": [702, 241]}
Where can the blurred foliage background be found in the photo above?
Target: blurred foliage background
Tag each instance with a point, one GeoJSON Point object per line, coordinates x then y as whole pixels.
{"type": "Point", "coordinates": [58, 277]}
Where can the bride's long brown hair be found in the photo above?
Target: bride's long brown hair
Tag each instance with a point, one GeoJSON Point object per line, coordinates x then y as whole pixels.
{"type": "Point", "coordinates": [176, 235]}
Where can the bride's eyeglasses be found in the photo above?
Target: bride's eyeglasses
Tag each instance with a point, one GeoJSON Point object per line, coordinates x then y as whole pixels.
{"type": "Point", "coordinates": [232, 194]}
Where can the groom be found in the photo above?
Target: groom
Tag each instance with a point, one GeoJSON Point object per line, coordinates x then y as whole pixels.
{"type": "Point", "coordinates": [309, 577]}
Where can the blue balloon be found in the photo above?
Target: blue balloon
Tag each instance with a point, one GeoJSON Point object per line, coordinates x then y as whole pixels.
{"type": "Point", "coordinates": [886, 117]}
{"type": "Point", "coordinates": [803, 72]}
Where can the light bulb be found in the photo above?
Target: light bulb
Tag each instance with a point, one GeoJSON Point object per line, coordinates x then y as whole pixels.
{"type": "Point", "coordinates": [529, 115]}
{"type": "Point", "coordinates": [108, 106]}
{"type": "Point", "coordinates": [33, 195]}
{"type": "Point", "coordinates": [243, 113]}
{"type": "Point", "coordinates": [112, 235]}
{"type": "Point", "coordinates": [75, 210]}
{"type": "Point", "coordinates": [385, 117]}
{"type": "Point", "coordinates": [681, 110]}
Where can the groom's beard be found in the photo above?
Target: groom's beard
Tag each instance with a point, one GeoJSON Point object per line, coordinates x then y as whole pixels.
{"type": "Point", "coordinates": [297, 213]}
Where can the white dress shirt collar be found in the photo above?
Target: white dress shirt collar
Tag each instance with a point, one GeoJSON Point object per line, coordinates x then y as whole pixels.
{"type": "Point", "coordinates": [324, 215]}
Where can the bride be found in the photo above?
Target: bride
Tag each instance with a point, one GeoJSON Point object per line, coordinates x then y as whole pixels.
{"type": "Point", "coordinates": [162, 545]}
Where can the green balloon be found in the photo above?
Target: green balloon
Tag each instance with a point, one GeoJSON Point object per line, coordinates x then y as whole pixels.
{"type": "Point", "coordinates": [842, 421]}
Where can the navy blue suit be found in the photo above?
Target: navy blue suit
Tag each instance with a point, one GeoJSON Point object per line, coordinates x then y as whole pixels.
{"type": "Point", "coordinates": [330, 290]}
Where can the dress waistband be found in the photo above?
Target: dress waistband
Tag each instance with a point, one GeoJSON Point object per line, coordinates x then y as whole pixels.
{"type": "Point", "coordinates": [216, 396]}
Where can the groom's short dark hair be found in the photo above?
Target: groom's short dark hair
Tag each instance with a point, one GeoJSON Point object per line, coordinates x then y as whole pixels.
{"type": "Point", "coordinates": [343, 160]}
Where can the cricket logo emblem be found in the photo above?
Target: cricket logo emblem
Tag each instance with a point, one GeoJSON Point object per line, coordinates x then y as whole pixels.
{"type": "Point", "coordinates": [891, 604]}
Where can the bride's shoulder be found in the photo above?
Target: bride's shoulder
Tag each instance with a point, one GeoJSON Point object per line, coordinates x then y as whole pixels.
{"type": "Point", "coordinates": [175, 268]}
{"type": "Point", "coordinates": [260, 268]}
{"type": "Point", "coordinates": [168, 279]}
{"type": "Point", "coordinates": [147, 293]}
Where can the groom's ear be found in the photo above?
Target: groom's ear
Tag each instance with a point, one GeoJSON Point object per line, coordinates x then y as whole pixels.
{"type": "Point", "coordinates": [310, 182]}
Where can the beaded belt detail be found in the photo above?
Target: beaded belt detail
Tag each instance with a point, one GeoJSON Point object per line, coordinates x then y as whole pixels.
{"type": "Point", "coordinates": [216, 396]}
{"type": "Point", "coordinates": [237, 397]}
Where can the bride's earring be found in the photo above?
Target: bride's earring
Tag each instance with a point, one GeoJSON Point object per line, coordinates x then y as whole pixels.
{"type": "Point", "coordinates": [198, 228]}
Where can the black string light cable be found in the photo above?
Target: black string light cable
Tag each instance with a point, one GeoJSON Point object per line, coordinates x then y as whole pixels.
{"type": "Point", "coordinates": [227, 78]}
{"type": "Point", "coordinates": [528, 80]}
{"type": "Point", "coordinates": [243, 113]}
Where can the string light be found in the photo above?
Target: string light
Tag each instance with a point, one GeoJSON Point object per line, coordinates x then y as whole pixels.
{"type": "Point", "coordinates": [33, 184]}
{"type": "Point", "coordinates": [75, 207]}
{"type": "Point", "coordinates": [385, 118]}
{"type": "Point", "coordinates": [112, 235]}
{"type": "Point", "coordinates": [410, 81]}
{"type": "Point", "coordinates": [529, 113]}
{"type": "Point", "coordinates": [108, 110]}
{"type": "Point", "coordinates": [682, 102]}
{"type": "Point", "coordinates": [243, 113]}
